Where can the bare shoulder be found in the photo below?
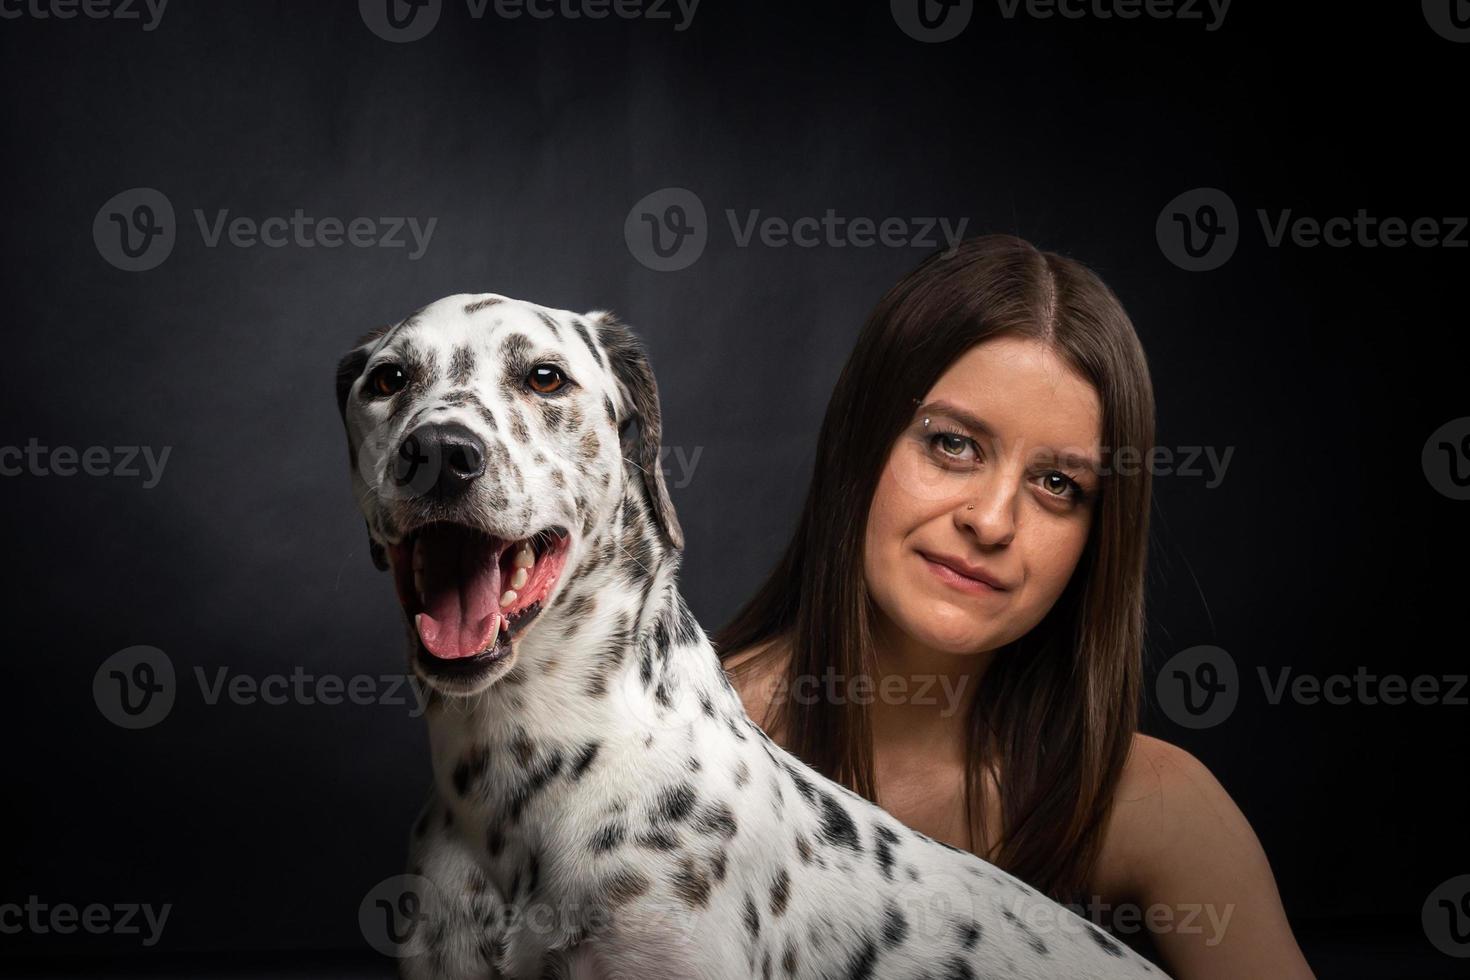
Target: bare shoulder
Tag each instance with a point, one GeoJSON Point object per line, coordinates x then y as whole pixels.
{"type": "Point", "coordinates": [756, 673]}
{"type": "Point", "coordinates": [1179, 845]}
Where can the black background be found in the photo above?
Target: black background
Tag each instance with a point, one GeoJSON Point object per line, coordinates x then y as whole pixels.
{"type": "Point", "coordinates": [1325, 548]}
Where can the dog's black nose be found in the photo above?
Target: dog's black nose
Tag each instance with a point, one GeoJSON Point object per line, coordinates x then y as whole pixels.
{"type": "Point", "coordinates": [442, 460]}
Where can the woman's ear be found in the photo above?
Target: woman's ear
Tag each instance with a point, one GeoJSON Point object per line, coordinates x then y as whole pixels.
{"type": "Point", "coordinates": [629, 364]}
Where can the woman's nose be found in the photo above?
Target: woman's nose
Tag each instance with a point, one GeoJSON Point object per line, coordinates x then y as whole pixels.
{"type": "Point", "coordinates": [989, 512]}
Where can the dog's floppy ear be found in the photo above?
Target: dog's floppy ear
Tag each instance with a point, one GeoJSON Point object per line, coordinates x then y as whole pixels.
{"type": "Point", "coordinates": [630, 366]}
{"type": "Point", "coordinates": [349, 368]}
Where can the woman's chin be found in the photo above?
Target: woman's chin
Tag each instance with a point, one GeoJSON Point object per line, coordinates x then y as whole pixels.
{"type": "Point", "coordinates": [948, 630]}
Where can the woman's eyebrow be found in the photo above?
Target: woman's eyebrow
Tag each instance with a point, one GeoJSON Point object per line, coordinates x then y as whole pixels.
{"type": "Point", "coordinates": [966, 418]}
{"type": "Point", "coordinates": [975, 423]}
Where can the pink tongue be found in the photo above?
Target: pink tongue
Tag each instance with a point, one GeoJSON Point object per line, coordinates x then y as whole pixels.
{"type": "Point", "coordinates": [461, 593]}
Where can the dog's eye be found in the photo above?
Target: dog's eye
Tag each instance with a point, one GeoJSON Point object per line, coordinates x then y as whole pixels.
{"type": "Point", "coordinates": [386, 379]}
{"type": "Point", "coordinates": [546, 378]}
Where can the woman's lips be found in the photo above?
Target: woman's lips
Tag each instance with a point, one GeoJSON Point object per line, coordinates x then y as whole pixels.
{"type": "Point", "coordinates": [958, 580]}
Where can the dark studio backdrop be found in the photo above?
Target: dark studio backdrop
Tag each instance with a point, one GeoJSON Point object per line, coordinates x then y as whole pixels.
{"type": "Point", "coordinates": [1333, 375]}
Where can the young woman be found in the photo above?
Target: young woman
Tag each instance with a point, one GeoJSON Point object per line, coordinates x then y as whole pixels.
{"type": "Point", "coordinates": [955, 630]}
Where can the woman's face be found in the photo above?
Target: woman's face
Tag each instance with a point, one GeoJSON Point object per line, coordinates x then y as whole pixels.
{"type": "Point", "coordinates": [999, 485]}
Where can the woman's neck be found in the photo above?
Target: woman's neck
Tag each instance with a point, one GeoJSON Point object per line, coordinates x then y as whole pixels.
{"type": "Point", "coordinates": [921, 696]}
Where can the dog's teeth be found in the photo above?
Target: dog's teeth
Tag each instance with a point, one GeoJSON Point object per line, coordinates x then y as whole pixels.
{"type": "Point", "coordinates": [519, 578]}
{"type": "Point", "coordinates": [507, 597]}
{"type": "Point", "coordinates": [494, 633]}
{"type": "Point", "coordinates": [525, 557]}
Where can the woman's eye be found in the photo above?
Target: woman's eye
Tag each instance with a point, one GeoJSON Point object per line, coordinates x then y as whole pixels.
{"type": "Point", "coordinates": [387, 379]}
{"type": "Point", "coordinates": [546, 378]}
{"type": "Point", "coordinates": [1062, 485]}
{"type": "Point", "coordinates": [952, 445]}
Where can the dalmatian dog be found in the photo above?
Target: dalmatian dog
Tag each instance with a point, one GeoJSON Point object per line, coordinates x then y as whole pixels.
{"type": "Point", "coordinates": [602, 807]}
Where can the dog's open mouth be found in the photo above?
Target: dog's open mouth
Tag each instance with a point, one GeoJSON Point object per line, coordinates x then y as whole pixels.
{"type": "Point", "coordinates": [467, 592]}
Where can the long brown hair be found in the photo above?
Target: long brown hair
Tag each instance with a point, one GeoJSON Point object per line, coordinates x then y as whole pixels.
{"type": "Point", "coordinates": [1058, 708]}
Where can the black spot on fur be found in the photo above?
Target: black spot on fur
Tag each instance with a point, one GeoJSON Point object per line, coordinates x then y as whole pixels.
{"type": "Point", "coordinates": [675, 804]}
{"type": "Point", "coordinates": [608, 838]}
{"type": "Point", "coordinates": [550, 324]}
{"type": "Point", "coordinates": [717, 818]}
{"type": "Point", "coordinates": [780, 892]}
{"type": "Point", "coordinates": [584, 759]}
{"type": "Point", "coordinates": [469, 769]}
{"type": "Point", "coordinates": [1106, 942]}
{"type": "Point", "coordinates": [860, 967]}
{"type": "Point", "coordinates": [752, 918]}
{"type": "Point", "coordinates": [883, 849]}
{"type": "Point", "coordinates": [691, 884]}
{"type": "Point", "coordinates": [958, 969]}
{"type": "Point", "coordinates": [587, 339]}
{"type": "Point", "coordinates": [895, 926]}
{"type": "Point", "coordinates": [1031, 937]}
{"type": "Point", "coordinates": [623, 886]}
{"type": "Point", "coordinates": [535, 783]}
{"type": "Point", "coordinates": [461, 365]}
{"type": "Point", "coordinates": [658, 839]}
{"type": "Point", "coordinates": [837, 825]}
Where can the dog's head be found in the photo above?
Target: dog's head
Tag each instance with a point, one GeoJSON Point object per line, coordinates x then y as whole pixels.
{"type": "Point", "coordinates": [489, 439]}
